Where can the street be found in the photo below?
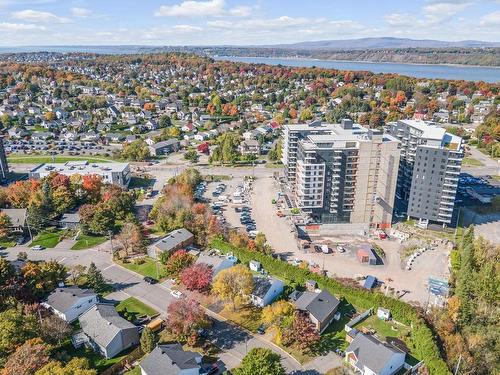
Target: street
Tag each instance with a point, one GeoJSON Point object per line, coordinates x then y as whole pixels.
{"type": "Point", "coordinates": [233, 340]}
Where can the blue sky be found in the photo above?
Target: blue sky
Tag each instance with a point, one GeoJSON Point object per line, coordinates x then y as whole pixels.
{"type": "Point", "coordinates": [199, 22]}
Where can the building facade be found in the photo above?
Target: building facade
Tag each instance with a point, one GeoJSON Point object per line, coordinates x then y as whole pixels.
{"type": "Point", "coordinates": [429, 170]}
{"type": "Point", "coordinates": [341, 173]}
{"type": "Point", "coordinates": [111, 173]}
{"type": "Point", "coordinates": [4, 167]}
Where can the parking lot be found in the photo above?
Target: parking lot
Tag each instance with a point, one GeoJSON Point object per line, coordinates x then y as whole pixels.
{"type": "Point", "coordinates": [22, 147]}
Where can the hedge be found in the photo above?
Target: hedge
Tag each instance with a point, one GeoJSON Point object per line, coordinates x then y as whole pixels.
{"type": "Point", "coordinates": [422, 337]}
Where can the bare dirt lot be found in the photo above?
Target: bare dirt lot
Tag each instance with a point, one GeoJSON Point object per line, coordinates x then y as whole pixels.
{"type": "Point", "coordinates": [281, 237]}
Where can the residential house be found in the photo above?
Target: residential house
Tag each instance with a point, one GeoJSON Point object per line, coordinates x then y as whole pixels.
{"type": "Point", "coordinates": [17, 218]}
{"type": "Point", "coordinates": [250, 147]}
{"type": "Point", "coordinates": [175, 240]}
{"type": "Point", "coordinates": [71, 302]}
{"type": "Point", "coordinates": [171, 359]}
{"type": "Point", "coordinates": [266, 289]}
{"type": "Point", "coordinates": [42, 136]}
{"type": "Point", "coordinates": [369, 356]}
{"type": "Point", "coordinates": [217, 263]}
{"type": "Point", "coordinates": [106, 331]}
{"type": "Point", "coordinates": [164, 147]}
{"type": "Point", "coordinates": [69, 221]}
{"type": "Point", "coordinates": [321, 306]}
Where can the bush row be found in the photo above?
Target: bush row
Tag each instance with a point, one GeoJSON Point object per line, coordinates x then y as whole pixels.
{"type": "Point", "coordinates": [422, 338]}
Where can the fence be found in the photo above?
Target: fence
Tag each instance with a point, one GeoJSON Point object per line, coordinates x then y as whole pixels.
{"type": "Point", "coordinates": [128, 360]}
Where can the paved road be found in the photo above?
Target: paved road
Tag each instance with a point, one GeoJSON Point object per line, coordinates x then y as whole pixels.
{"type": "Point", "coordinates": [490, 166]}
{"type": "Point", "coordinates": [234, 340]}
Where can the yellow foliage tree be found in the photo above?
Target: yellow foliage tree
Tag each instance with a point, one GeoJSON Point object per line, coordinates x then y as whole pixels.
{"type": "Point", "coordinates": [273, 314]}
{"type": "Point", "coordinates": [233, 284]}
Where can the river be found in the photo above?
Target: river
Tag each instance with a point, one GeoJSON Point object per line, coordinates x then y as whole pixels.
{"type": "Point", "coordinates": [468, 73]}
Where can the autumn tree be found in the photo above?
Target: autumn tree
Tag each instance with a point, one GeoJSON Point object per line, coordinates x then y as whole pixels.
{"type": "Point", "coordinates": [185, 317]}
{"type": "Point", "coordinates": [277, 312]}
{"type": "Point", "coordinates": [177, 262]}
{"type": "Point", "coordinates": [92, 185]}
{"type": "Point", "coordinates": [54, 329]}
{"type": "Point", "coordinates": [29, 357]}
{"type": "Point", "coordinates": [135, 151]}
{"type": "Point", "coordinates": [234, 284]}
{"type": "Point", "coordinates": [5, 224]}
{"type": "Point", "coordinates": [301, 334]}
{"type": "Point", "coordinates": [76, 366]}
{"type": "Point", "coordinates": [131, 239]}
{"type": "Point", "coordinates": [260, 361]}
{"type": "Point", "coordinates": [197, 277]}
{"type": "Point", "coordinates": [16, 326]}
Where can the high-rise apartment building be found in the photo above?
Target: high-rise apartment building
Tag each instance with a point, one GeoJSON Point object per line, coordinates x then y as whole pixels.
{"type": "Point", "coordinates": [4, 167]}
{"type": "Point", "coordinates": [341, 173]}
{"type": "Point", "coordinates": [429, 169]}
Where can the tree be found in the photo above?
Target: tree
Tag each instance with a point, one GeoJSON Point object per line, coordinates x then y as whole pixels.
{"type": "Point", "coordinates": [260, 361]}
{"type": "Point", "coordinates": [148, 340]}
{"type": "Point", "coordinates": [102, 219]}
{"type": "Point", "coordinates": [5, 224]}
{"type": "Point", "coordinates": [177, 262]}
{"type": "Point", "coordinates": [132, 239]}
{"type": "Point", "coordinates": [54, 329]}
{"type": "Point", "coordinates": [275, 313]}
{"type": "Point", "coordinates": [191, 155]}
{"type": "Point", "coordinates": [16, 327]}
{"type": "Point", "coordinates": [185, 317]}
{"type": "Point", "coordinates": [29, 357]}
{"type": "Point", "coordinates": [197, 277]}
{"type": "Point", "coordinates": [92, 185]}
{"type": "Point", "coordinates": [135, 151]}
{"type": "Point", "coordinates": [77, 366]}
{"type": "Point", "coordinates": [95, 279]}
{"type": "Point", "coordinates": [301, 334]}
{"type": "Point", "coordinates": [233, 284]}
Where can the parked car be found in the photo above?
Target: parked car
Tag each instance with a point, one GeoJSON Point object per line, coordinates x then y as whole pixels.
{"type": "Point", "coordinates": [150, 280]}
{"type": "Point", "coordinates": [37, 247]}
{"type": "Point", "coordinates": [261, 330]}
{"type": "Point", "coordinates": [176, 294]}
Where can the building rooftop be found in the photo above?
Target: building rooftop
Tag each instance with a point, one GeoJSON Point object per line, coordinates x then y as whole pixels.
{"type": "Point", "coordinates": [80, 167]}
{"type": "Point", "coordinates": [62, 299]}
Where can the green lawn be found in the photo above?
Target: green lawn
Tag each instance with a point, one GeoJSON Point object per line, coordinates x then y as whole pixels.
{"type": "Point", "coordinates": [39, 159]}
{"type": "Point", "coordinates": [247, 317]}
{"type": "Point", "coordinates": [135, 371]}
{"type": "Point", "coordinates": [86, 242]}
{"type": "Point", "coordinates": [140, 182]}
{"type": "Point", "coordinates": [7, 243]}
{"type": "Point", "coordinates": [471, 162]}
{"type": "Point", "coordinates": [47, 239]}
{"type": "Point", "coordinates": [384, 329]}
{"type": "Point", "coordinates": [148, 268]}
{"type": "Point", "coordinates": [135, 307]}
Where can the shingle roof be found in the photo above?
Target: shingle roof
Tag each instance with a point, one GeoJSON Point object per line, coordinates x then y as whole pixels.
{"type": "Point", "coordinates": [320, 305]}
{"type": "Point", "coordinates": [63, 299]}
{"type": "Point", "coordinates": [173, 239]}
{"type": "Point", "coordinates": [169, 359]}
{"type": "Point", "coordinates": [17, 216]}
{"type": "Point", "coordinates": [102, 323]}
{"type": "Point", "coordinates": [371, 352]}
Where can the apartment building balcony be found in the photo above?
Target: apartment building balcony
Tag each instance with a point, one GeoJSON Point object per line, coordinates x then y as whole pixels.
{"type": "Point", "coordinates": [445, 215]}
{"type": "Point", "coordinates": [448, 203]}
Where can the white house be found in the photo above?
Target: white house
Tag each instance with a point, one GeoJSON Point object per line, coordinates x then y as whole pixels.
{"type": "Point", "coordinates": [71, 302]}
{"type": "Point", "coordinates": [171, 359]}
{"type": "Point", "coordinates": [265, 290]}
{"type": "Point", "coordinates": [369, 356]}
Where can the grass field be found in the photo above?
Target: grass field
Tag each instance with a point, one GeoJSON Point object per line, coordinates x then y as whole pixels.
{"type": "Point", "coordinates": [135, 307]}
{"type": "Point", "coordinates": [384, 329]}
{"type": "Point", "coordinates": [87, 242]}
{"type": "Point", "coordinates": [39, 159]}
{"type": "Point", "coordinates": [247, 317]}
{"type": "Point", "coordinates": [148, 268]}
{"type": "Point", "coordinates": [471, 162]}
{"type": "Point", "coordinates": [47, 239]}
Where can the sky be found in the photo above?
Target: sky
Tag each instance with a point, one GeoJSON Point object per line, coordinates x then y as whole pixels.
{"type": "Point", "coordinates": [241, 22]}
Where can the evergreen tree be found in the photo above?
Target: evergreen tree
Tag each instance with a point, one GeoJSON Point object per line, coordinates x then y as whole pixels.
{"type": "Point", "coordinates": [148, 340]}
{"type": "Point", "coordinates": [95, 279]}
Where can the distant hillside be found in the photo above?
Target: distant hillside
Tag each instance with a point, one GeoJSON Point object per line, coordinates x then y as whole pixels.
{"type": "Point", "coordinates": [384, 43]}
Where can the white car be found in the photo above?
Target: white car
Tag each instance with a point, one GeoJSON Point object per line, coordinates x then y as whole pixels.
{"type": "Point", "coordinates": [37, 248]}
{"type": "Point", "coordinates": [340, 249]}
{"type": "Point", "coordinates": [177, 294]}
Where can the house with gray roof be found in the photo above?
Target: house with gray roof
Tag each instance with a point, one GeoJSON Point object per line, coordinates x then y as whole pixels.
{"type": "Point", "coordinates": [164, 147]}
{"type": "Point", "coordinates": [266, 289]}
{"type": "Point", "coordinates": [217, 263]}
{"type": "Point", "coordinates": [171, 359]}
{"type": "Point", "coordinates": [370, 356]}
{"type": "Point", "coordinates": [106, 331]}
{"type": "Point", "coordinates": [321, 306]}
{"type": "Point", "coordinates": [175, 240]}
{"type": "Point", "coordinates": [17, 218]}
{"type": "Point", "coordinates": [71, 302]}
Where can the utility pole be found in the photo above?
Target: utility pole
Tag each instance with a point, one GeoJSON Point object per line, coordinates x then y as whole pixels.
{"type": "Point", "coordinates": [458, 365]}
{"type": "Point", "coordinates": [110, 234]}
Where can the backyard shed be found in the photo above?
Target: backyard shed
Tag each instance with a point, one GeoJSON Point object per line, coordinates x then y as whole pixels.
{"type": "Point", "coordinates": [365, 254]}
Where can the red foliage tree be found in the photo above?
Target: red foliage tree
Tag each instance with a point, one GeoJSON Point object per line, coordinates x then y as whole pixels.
{"type": "Point", "coordinates": [92, 185]}
{"type": "Point", "coordinates": [28, 358]}
{"type": "Point", "coordinates": [197, 277]}
{"type": "Point", "coordinates": [301, 333]}
{"type": "Point", "coordinates": [178, 261]}
{"type": "Point", "coordinates": [185, 317]}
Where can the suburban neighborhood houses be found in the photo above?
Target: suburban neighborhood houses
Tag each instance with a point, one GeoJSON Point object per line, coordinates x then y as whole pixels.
{"type": "Point", "coordinates": [169, 213]}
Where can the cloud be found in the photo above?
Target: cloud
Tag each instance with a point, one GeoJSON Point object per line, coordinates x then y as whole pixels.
{"type": "Point", "coordinates": [186, 28]}
{"type": "Point", "coordinates": [399, 19]}
{"type": "Point", "coordinates": [38, 16]}
{"type": "Point", "coordinates": [491, 19]}
{"type": "Point", "coordinates": [191, 8]}
{"type": "Point", "coordinates": [7, 26]}
{"type": "Point", "coordinates": [443, 10]}
{"type": "Point", "coordinates": [81, 12]}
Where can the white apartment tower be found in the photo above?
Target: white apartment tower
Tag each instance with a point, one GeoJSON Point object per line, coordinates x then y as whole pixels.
{"type": "Point", "coordinates": [341, 173]}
